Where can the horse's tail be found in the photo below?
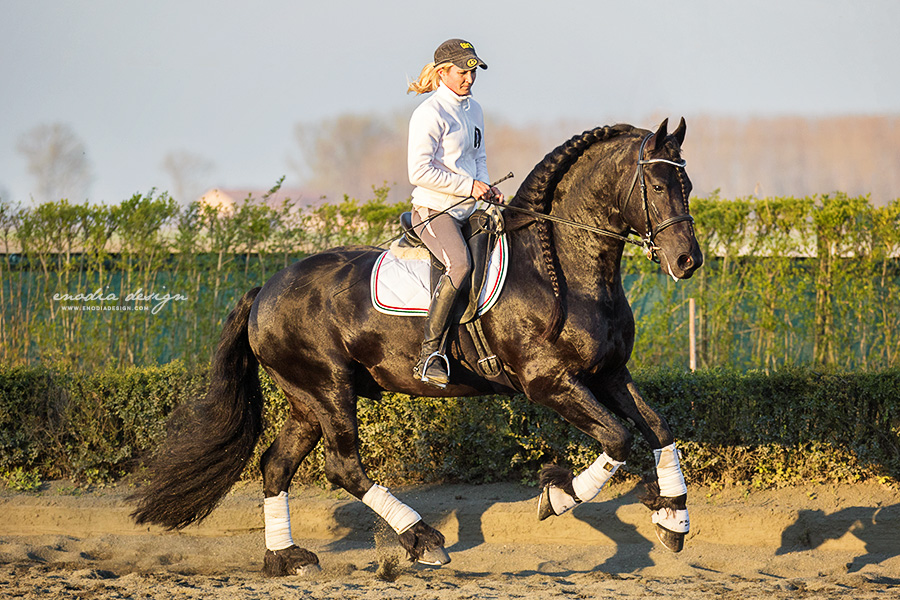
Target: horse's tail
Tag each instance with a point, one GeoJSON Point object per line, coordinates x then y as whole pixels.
{"type": "Point", "coordinates": [211, 440]}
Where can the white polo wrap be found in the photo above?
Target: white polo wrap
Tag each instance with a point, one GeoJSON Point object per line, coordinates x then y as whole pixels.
{"type": "Point", "coordinates": [589, 483]}
{"type": "Point", "coordinates": [278, 522]}
{"type": "Point", "coordinates": [398, 515]}
{"type": "Point", "coordinates": [586, 485]}
{"type": "Point", "coordinates": [668, 472]}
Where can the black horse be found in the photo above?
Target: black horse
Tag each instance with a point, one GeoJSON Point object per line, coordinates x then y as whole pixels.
{"type": "Point", "coordinates": [562, 328]}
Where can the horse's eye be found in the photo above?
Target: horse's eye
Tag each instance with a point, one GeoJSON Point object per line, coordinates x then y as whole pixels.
{"type": "Point", "coordinates": [658, 189]}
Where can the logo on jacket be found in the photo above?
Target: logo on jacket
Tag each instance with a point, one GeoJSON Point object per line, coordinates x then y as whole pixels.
{"type": "Point", "coordinates": [477, 138]}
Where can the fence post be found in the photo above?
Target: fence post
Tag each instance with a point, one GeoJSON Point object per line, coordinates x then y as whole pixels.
{"type": "Point", "coordinates": [692, 334]}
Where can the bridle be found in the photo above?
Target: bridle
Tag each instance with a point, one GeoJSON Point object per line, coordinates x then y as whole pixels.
{"type": "Point", "coordinates": [651, 232]}
{"type": "Point", "coordinates": [648, 240]}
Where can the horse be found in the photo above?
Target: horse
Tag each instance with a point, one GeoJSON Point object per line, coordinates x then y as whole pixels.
{"type": "Point", "coordinates": [562, 329]}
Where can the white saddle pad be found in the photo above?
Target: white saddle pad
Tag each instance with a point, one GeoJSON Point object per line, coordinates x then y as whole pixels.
{"type": "Point", "coordinates": [402, 286]}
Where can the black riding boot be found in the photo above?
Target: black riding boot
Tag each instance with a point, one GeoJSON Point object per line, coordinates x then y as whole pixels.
{"type": "Point", "coordinates": [432, 367]}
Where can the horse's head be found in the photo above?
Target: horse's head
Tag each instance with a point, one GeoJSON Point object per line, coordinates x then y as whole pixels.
{"type": "Point", "coordinates": [656, 205]}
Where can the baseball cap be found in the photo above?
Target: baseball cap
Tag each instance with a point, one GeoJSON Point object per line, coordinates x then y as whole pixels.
{"type": "Point", "coordinates": [459, 52]}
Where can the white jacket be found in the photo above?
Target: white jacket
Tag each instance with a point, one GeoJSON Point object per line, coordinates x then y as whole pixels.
{"type": "Point", "coordinates": [446, 151]}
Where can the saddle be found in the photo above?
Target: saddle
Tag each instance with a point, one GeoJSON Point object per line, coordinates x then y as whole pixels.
{"type": "Point", "coordinates": [481, 233]}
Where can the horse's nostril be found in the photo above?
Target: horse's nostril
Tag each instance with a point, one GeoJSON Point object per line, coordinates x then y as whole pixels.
{"type": "Point", "coordinates": [685, 262]}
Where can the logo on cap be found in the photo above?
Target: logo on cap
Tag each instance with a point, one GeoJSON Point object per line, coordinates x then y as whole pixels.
{"type": "Point", "coordinates": [472, 62]}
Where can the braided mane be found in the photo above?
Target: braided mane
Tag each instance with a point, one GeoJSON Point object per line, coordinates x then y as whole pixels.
{"type": "Point", "coordinates": [536, 193]}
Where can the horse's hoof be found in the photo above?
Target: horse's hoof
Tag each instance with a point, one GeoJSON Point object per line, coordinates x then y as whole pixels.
{"type": "Point", "coordinates": [307, 570]}
{"type": "Point", "coordinates": [435, 557]}
{"type": "Point", "coordinates": [545, 509]}
{"type": "Point", "coordinates": [672, 540]}
{"type": "Point", "coordinates": [290, 561]}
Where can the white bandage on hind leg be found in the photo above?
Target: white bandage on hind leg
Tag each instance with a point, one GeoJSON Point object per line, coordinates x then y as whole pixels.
{"type": "Point", "coordinates": [668, 472]}
{"type": "Point", "coordinates": [278, 522]}
{"type": "Point", "coordinates": [589, 483]}
{"type": "Point", "coordinates": [398, 515]}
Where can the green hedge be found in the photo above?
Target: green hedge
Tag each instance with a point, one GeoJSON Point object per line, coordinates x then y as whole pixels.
{"type": "Point", "coordinates": [147, 281]}
{"type": "Point", "coordinates": [787, 281]}
{"type": "Point", "coordinates": [791, 426]}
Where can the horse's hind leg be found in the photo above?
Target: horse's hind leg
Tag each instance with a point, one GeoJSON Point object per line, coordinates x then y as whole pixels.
{"type": "Point", "coordinates": [343, 467]}
{"type": "Point", "coordinates": [334, 403]}
{"type": "Point", "coordinates": [299, 435]}
{"type": "Point", "coordinates": [666, 495]}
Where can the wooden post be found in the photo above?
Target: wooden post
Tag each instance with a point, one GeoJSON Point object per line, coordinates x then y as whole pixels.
{"type": "Point", "coordinates": [692, 333]}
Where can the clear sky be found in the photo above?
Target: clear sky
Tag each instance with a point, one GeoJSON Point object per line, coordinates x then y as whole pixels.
{"type": "Point", "coordinates": [228, 79]}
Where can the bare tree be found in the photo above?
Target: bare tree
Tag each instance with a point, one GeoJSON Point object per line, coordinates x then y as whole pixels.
{"type": "Point", "coordinates": [795, 156]}
{"type": "Point", "coordinates": [190, 174]}
{"type": "Point", "coordinates": [762, 156]}
{"type": "Point", "coordinates": [58, 161]}
{"type": "Point", "coordinates": [351, 153]}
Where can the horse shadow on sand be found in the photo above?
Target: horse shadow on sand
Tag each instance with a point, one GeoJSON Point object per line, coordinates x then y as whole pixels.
{"type": "Point", "coordinates": [456, 506]}
{"type": "Point", "coordinates": [876, 527]}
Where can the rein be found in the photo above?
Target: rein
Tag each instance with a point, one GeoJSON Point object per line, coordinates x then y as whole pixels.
{"type": "Point", "coordinates": [647, 242]}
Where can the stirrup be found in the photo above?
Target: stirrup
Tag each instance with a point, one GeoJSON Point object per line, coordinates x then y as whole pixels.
{"type": "Point", "coordinates": [422, 373]}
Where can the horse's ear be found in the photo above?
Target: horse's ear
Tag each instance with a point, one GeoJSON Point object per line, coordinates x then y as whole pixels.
{"type": "Point", "coordinates": [659, 138]}
{"type": "Point", "coordinates": [679, 132]}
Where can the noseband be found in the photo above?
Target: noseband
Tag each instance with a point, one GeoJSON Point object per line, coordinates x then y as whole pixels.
{"type": "Point", "coordinates": [651, 232]}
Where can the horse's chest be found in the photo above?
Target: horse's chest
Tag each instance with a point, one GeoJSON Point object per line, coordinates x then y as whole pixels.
{"type": "Point", "coordinates": [601, 332]}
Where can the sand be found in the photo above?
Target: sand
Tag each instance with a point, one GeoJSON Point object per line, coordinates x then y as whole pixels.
{"type": "Point", "coordinates": [816, 541]}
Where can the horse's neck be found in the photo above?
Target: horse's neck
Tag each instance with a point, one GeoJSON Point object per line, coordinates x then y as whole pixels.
{"type": "Point", "coordinates": [588, 262]}
{"type": "Point", "coordinates": [588, 258]}
{"type": "Point", "coordinates": [590, 194]}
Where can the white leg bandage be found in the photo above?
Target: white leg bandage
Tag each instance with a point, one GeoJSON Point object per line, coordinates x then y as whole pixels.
{"type": "Point", "coordinates": [398, 515]}
{"type": "Point", "coordinates": [278, 522]}
{"type": "Point", "coordinates": [589, 483]}
{"type": "Point", "coordinates": [586, 485]}
{"type": "Point", "coordinates": [668, 472]}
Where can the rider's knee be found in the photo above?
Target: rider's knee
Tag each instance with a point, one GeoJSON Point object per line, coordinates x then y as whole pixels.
{"type": "Point", "coordinates": [459, 271]}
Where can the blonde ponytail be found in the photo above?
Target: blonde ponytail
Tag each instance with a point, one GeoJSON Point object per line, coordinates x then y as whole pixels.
{"type": "Point", "coordinates": [429, 79]}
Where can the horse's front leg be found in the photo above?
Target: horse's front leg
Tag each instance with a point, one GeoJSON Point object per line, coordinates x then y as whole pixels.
{"type": "Point", "coordinates": [561, 490]}
{"type": "Point", "coordinates": [666, 495]}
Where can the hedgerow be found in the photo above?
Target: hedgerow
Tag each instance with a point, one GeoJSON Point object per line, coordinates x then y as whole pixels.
{"type": "Point", "coordinates": [786, 281]}
{"type": "Point", "coordinates": [791, 426]}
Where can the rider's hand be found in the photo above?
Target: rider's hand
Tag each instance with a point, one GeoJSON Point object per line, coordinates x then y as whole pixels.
{"type": "Point", "coordinates": [483, 191]}
{"type": "Point", "coordinates": [479, 189]}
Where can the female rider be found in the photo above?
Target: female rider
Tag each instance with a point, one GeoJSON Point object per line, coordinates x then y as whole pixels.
{"type": "Point", "coordinates": [448, 165]}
